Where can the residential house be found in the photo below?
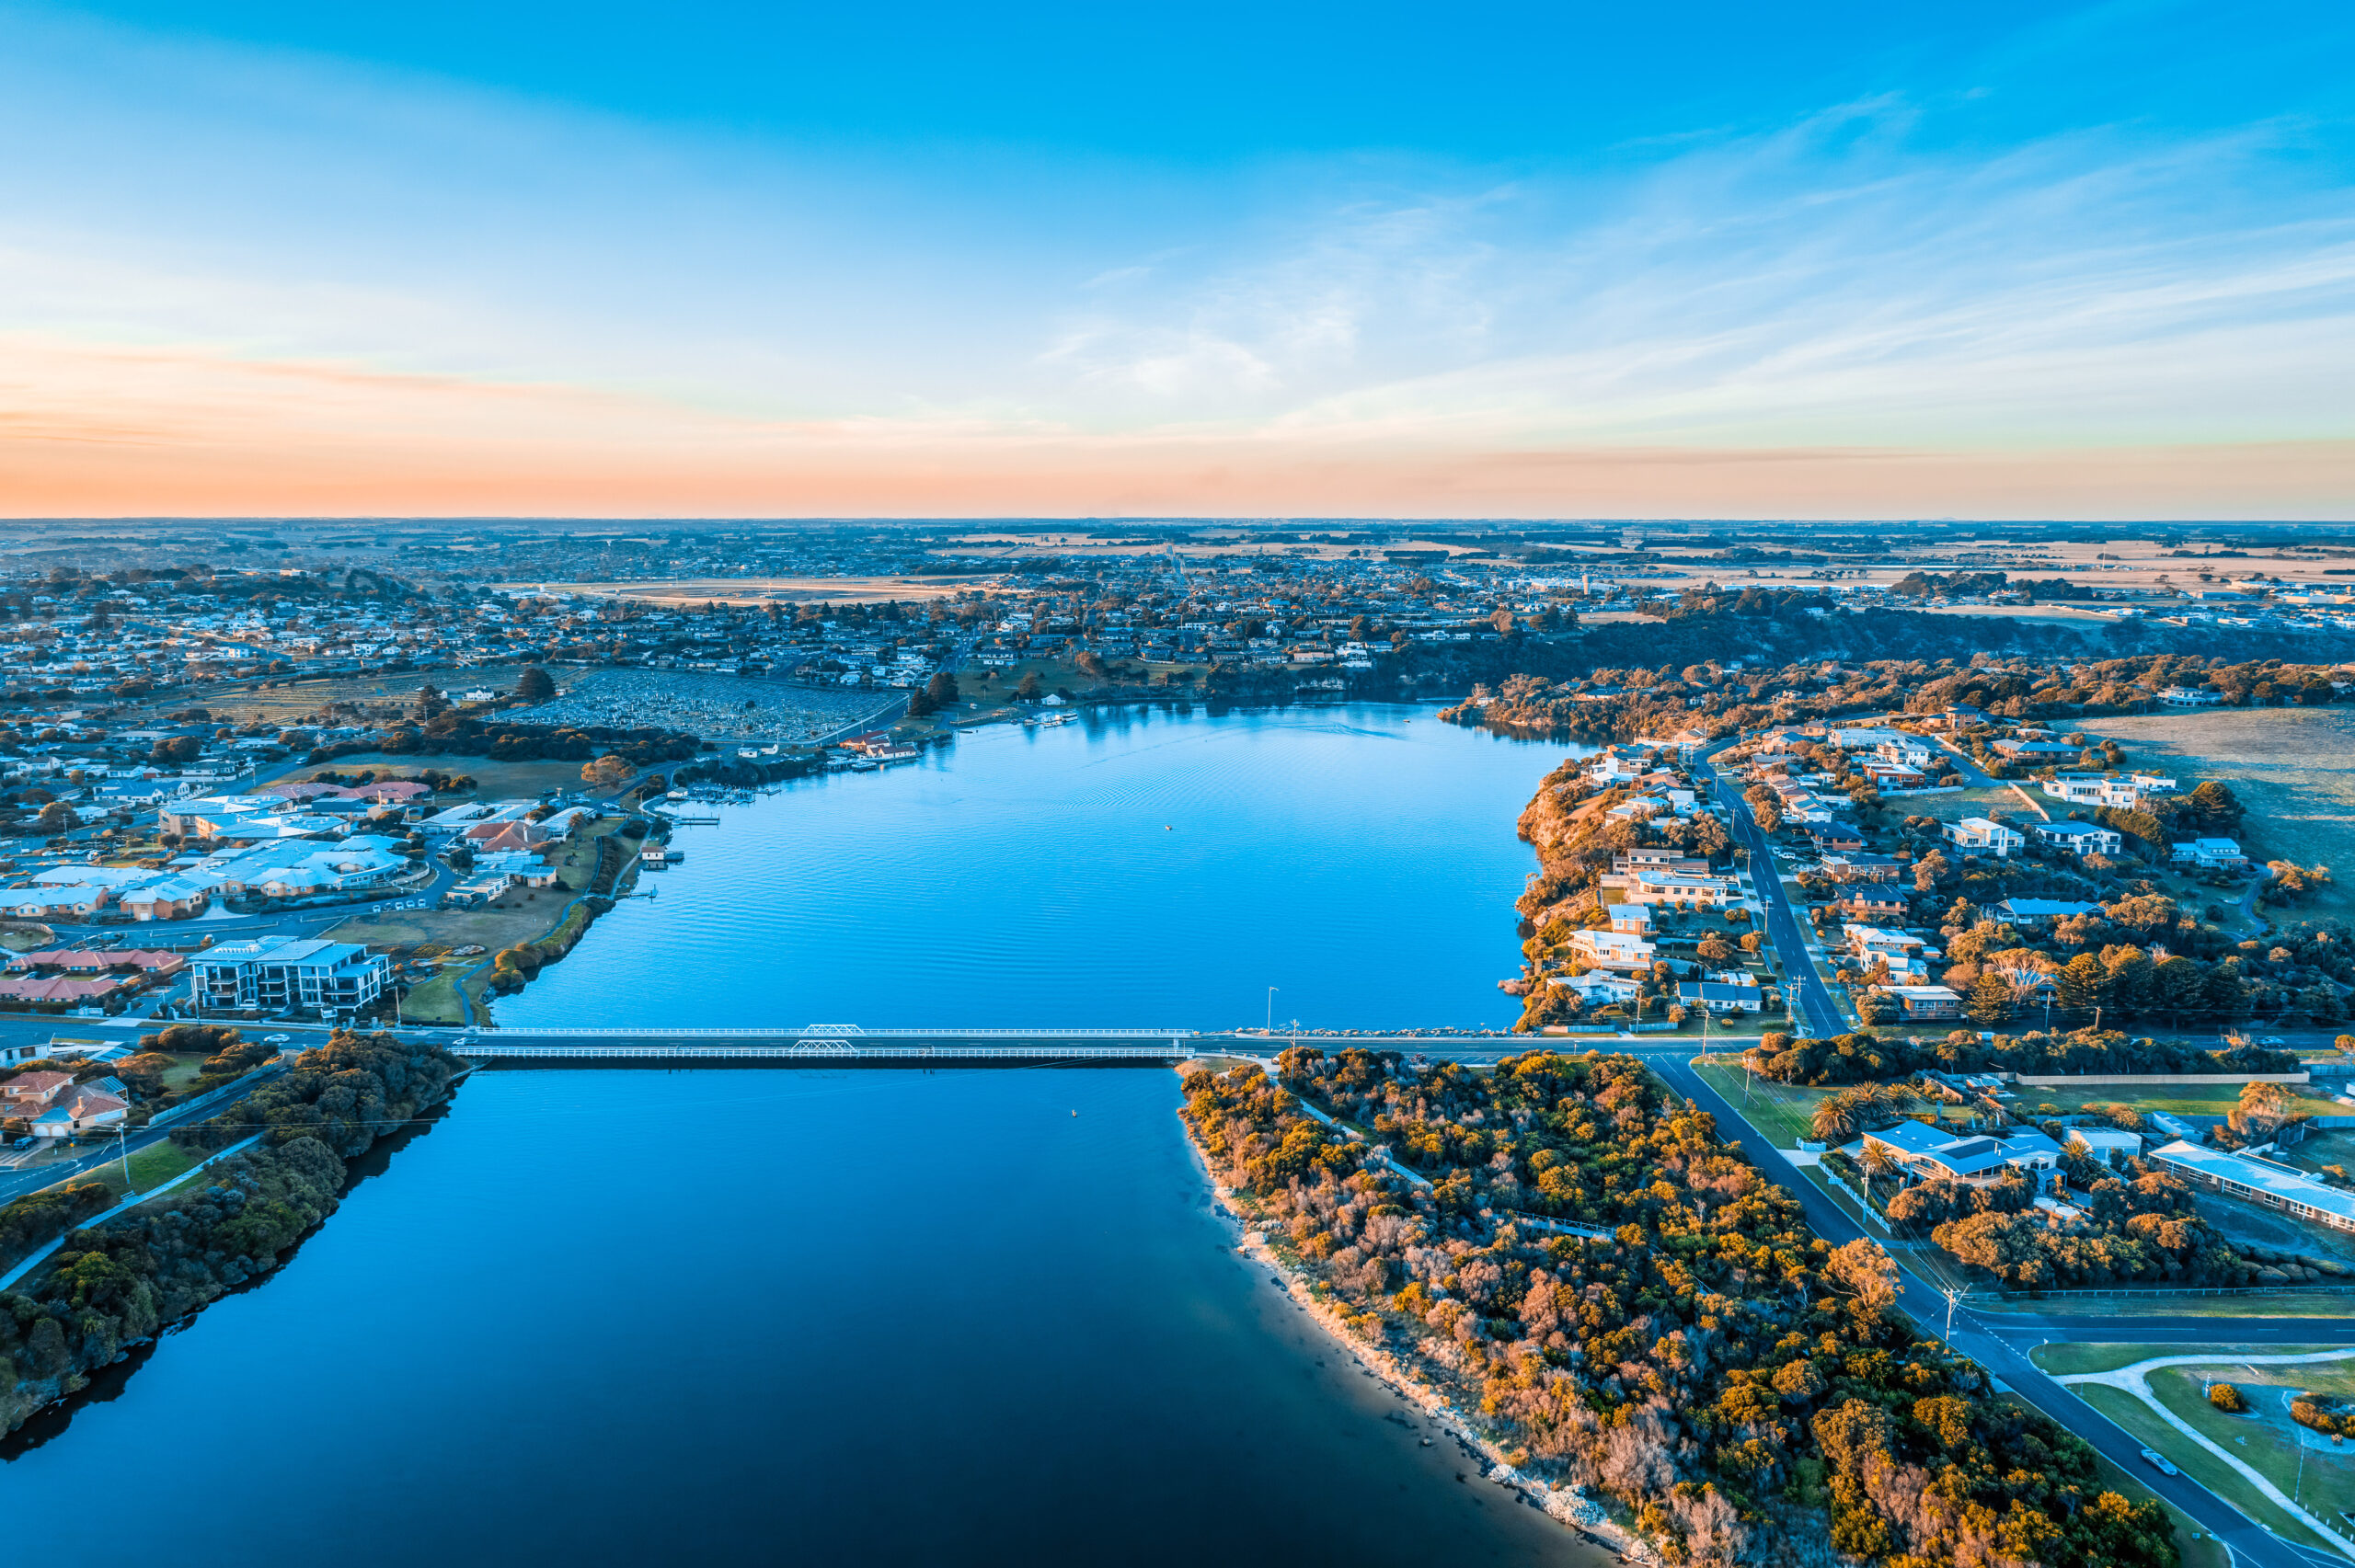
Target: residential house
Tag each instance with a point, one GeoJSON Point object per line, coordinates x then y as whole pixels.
{"type": "Point", "coordinates": [2080, 839]}
{"type": "Point", "coordinates": [2208, 854]}
{"type": "Point", "coordinates": [1718, 997]}
{"type": "Point", "coordinates": [1988, 837]}
{"type": "Point", "coordinates": [1636, 919]}
{"type": "Point", "coordinates": [2190, 697]}
{"type": "Point", "coordinates": [1598, 988]}
{"type": "Point", "coordinates": [1837, 838]}
{"type": "Point", "coordinates": [1611, 950]}
{"type": "Point", "coordinates": [1930, 1154]}
{"type": "Point", "coordinates": [1872, 909]}
{"type": "Point", "coordinates": [83, 1108]}
{"type": "Point", "coordinates": [1677, 888]}
{"type": "Point", "coordinates": [1924, 1001]}
{"type": "Point", "coordinates": [1906, 954]}
{"type": "Point", "coordinates": [30, 1091]}
{"type": "Point", "coordinates": [1853, 867]}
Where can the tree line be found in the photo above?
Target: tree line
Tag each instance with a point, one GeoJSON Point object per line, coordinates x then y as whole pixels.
{"type": "Point", "coordinates": [123, 1282]}
{"type": "Point", "coordinates": [1747, 1391]}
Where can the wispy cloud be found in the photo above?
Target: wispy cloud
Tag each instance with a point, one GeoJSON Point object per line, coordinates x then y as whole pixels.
{"type": "Point", "coordinates": [447, 294]}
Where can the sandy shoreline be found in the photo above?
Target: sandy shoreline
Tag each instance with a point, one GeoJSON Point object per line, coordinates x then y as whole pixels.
{"type": "Point", "coordinates": [1576, 1514]}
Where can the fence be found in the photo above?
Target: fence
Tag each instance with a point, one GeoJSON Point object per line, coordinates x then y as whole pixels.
{"type": "Point", "coordinates": [2094, 1078]}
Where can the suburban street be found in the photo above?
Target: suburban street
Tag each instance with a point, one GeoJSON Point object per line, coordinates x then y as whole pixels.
{"type": "Point", "coordinates": [1815, 1010]}
{"type": "Point", "coordinates": [15, 1182]}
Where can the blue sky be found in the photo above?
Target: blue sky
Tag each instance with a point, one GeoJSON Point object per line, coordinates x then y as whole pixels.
{"type": "Point", "coordinates": [2091, 261]}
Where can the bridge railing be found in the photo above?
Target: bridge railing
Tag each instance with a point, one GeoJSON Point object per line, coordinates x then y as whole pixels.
{"type": "Point", "coordinates": [830, 1032]}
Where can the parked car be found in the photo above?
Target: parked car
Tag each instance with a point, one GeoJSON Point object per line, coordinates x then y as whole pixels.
{"type": "Point", "coordinates": [25, 1142]}
{"type": "Point", "coordinates": [276, 1039]}
{"type": "Point", "coordinates": [2153, 1456]}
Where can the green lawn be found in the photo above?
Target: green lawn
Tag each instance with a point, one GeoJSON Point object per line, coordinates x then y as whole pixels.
{"type": "Point", "coordinates": [2144, 1425]}
{"type": "Point", "coordinates": [2062, 1360]}
{"type": "Point", "coordinates": [150, 1168]}
{"type": "Point", "coordinates": [2265, 1437]}
{"type": "Point", "coordinates": [1781, 1111]}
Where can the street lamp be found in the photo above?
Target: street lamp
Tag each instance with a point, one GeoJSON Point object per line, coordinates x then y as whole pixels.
{"type": "Point", "coordinates": [1271, 1011]}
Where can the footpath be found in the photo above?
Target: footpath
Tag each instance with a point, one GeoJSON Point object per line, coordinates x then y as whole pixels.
{"type": "Point", "coordinates": [2136, 1380]}
{"type": "Point", "coordinates": [27, 1267]}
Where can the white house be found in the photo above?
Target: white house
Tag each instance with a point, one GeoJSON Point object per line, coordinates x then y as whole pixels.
{"type": "Point", "coordinates": [2220, 854]}
{"type": "Point", "coordinates": [2190, 697]}
{"type": "Point", "coordinates": [2079, 838]}
{"type": "Point", "coordinates": [1676, 887]}
{"type": "Point", "coordinates": [1611, 950]}
{"type": "Point", "coordinates": [1986, 836]}
{"type": "Point", "coordinates": [1934, 1152]}
{"type": "Point", "coordinates": [1598, 989]}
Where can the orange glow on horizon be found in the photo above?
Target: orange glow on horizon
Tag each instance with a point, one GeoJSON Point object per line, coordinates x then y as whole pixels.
{"type": "Point", "coordinates": [116, 431]}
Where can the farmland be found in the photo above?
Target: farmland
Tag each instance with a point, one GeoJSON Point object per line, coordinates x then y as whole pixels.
{"type": "Point", "coordinates": [2294, 768]}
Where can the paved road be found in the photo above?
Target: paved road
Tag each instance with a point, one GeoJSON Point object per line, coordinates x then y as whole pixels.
{"type": "Point", "coordinates": [1819, 1014]}
{"type": "Point", "coordinates": [2000, 1344]}
{"type": "Point", "coordinates": [16, 1183]}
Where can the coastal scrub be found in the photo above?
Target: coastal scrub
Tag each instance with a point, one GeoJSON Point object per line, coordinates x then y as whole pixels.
{"type": "Point", "coordinates": [120, 1283]}
{"type": "Point", "coordinates": [1745, 1391]}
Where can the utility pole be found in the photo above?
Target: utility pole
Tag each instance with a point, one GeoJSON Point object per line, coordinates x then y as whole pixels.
{"type": "Point", "coordinates": [122, 1146]}
{"type": "Point", "coordinates": [1271, 1011]}
{"type": "Point", "coordinates": [1953, 1293]}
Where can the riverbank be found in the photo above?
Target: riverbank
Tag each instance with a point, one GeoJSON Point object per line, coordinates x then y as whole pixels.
{"type": "Point", "coordinates": [1581, 1515]}
{"type": "Point", "coordinates": [112, 1286]}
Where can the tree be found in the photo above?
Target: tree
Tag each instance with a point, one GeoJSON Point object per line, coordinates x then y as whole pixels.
{"type": "Point", "coordinates": [57, 817]}
{"type": "Point", "coordinates": [1030, 687]}
{"type": "Point", "coordinates": [2265, 1109]}
{"type": "Point", "coordinates": [606, 771]}
{"type": "Point", "coordinates": [942, 690]}
{"type": "Point", "coordinates": [534, 685]}
{"type": "Point", "coordinates": [2226, 1398]}
{"type": "Point", "coordinates": [431, 702]}
{"type": "Point", "coordinates": [1715, 948]}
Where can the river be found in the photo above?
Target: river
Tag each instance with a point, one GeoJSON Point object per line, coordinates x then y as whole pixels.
{"type": "Point", "coordinates": [617, 1316]}
{"type": "Point", "coordinates": [1141, 868]}
{"type": "Point", "coordinates": [879, 1318]}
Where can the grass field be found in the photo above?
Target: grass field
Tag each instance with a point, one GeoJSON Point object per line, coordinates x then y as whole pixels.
{"type": "Point", "coordinates": [2062, 1360]}
{"type": "Point", "coordinates": [288, 702]}
{"type": "Point", "coordinates": [2265, 1437]}
{"type": "Point", "coordinates": [2294, 768]}
{"type": "Point", "coordinates": [493, 781]}
{"type": "Point", "coordinates": [1783, 1112]}
{"type": "Point", "coordinates": [1779, 1110]}
{"type": "Point", "coordinates": [150, 1168]}
{"type": "Point", "coordinates": [2143, 1424]}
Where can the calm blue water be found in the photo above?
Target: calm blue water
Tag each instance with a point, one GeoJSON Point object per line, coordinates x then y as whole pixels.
{"type": "Point", "coordinates": [1140, 869]}
{"type": "Point", "coordinates": [875, 1318]}
{"type": "Point", "coordinates": [606, 1316]}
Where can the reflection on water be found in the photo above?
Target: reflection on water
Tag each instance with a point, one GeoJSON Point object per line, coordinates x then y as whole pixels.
{"type": "Point", "coordinates": [1138, 869]}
